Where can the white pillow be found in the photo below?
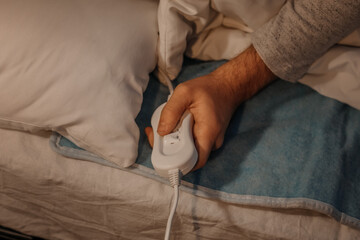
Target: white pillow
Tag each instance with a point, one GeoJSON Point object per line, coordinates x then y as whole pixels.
{"type": "Point", "coordinates": [78, 67]}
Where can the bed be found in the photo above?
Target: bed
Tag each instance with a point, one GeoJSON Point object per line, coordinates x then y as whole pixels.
{"type": "Point", "coordinates": [287, 170]}
{"type": "Point", "coordinates": [56, 197]}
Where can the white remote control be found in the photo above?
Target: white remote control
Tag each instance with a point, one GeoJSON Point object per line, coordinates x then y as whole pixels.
{"type": "Point", "coordinates": [175, 150]}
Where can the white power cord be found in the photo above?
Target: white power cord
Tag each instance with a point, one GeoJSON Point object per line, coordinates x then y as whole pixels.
{"type": "Point", "coordinates": [169, 85]}
{"type": "Point", "coordinates": [173, 158]}
{"type": "Point", "coordinates": [174, 177]}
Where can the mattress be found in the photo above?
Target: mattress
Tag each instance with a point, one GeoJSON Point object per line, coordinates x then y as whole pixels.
{"type": "Point", "coordinates": [57, 195]}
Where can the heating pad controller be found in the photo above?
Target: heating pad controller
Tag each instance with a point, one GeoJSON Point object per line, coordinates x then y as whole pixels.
{"type": "Point", "coordinates": [175, 150]}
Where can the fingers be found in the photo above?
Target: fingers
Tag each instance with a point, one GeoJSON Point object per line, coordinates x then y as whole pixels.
{"type": "Point", "coordinates": [210, 117]}
{"type": "Point", "coordinates": [204, 142]}
{"type": "Point", "coordinates": [203, 154]}
{"type": "Point", "coordinates": [172, 112]}
{"type": "Point", "coordinates": [150, 135]}
{"type": "Point", "coordinates": [219, 142]}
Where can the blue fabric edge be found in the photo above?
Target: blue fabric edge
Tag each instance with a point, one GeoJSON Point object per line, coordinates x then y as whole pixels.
{"type": "Point", "coordinates": [248, 200]}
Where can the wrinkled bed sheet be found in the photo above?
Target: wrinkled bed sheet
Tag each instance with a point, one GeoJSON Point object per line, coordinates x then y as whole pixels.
{"type": "Point", "coordinates": [51, 196]}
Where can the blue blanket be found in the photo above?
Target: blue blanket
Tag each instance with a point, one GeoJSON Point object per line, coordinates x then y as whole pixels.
{"type": "Point", "coordinates": [287, 147]}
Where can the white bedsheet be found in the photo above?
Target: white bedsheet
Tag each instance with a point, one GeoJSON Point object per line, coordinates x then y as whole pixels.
{"type": "Point", "coordinates": [54, 197]}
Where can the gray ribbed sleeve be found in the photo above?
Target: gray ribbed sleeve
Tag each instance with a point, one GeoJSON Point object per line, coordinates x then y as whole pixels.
{"type": "Point", "coordinates": [302, 32]}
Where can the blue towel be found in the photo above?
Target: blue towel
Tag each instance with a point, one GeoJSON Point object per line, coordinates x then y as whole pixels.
{"type": "Point", "coordinates": [287, 147]}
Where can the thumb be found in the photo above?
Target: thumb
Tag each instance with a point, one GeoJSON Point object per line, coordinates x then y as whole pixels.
{"type": "Point", "coordinates": [172, 112]}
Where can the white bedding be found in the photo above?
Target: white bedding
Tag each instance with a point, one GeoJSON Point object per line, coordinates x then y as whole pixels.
{"type": "Point", "coordinates": [221, 29]}
{"type": "Point", "coordinates": [54, 197]}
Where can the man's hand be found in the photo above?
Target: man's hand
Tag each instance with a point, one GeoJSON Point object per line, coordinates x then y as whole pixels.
{"type": "Point", "coordinates": [212, 99]}
{"type": "Point", "coordinates": [212, 107]}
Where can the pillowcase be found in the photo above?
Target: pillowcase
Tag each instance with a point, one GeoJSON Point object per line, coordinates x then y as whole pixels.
{"type": "Point", "coordinates": [78, 67]}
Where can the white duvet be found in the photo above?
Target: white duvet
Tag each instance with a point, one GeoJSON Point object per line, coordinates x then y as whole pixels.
{"type": "Point", "coordinates": [221, 29]}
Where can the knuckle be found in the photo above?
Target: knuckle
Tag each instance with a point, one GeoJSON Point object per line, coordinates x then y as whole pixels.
{"type": "Point", "coordinates": [217, 133]}
{"type": "Point", "coordinates": [219, 142]}
{"type": "Point", "coordinates": [182, 89]}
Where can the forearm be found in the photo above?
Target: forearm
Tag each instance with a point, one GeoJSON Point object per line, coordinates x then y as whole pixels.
{"type": "Point", "coordinates": [243, 76]}
{"type": "Point", "coordinates": [302, 32]}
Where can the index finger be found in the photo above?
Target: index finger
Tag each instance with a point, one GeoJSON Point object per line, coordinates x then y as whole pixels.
{"type": "Point", "coordinates": [172, 112]}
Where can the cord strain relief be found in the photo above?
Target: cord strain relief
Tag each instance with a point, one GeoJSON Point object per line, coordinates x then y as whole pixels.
{"type": "Point", "coordinates": [174, 177]}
